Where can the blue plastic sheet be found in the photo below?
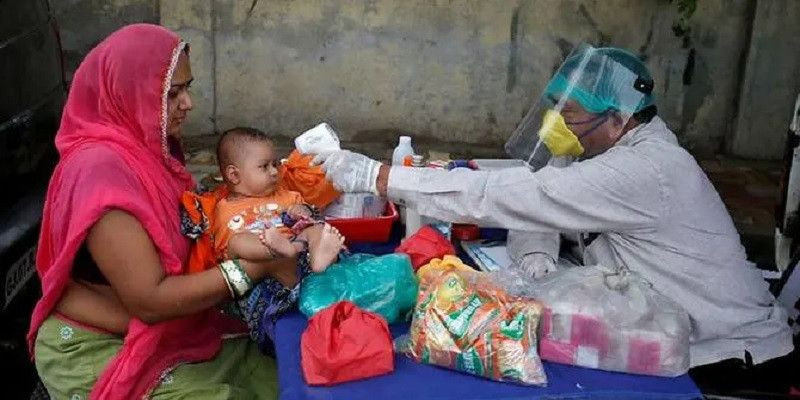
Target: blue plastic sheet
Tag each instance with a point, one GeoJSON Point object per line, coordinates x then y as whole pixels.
{"type": "Point", "coordinates": [411, 380]}
{"type": "Point", "coordinates": [385, 285]}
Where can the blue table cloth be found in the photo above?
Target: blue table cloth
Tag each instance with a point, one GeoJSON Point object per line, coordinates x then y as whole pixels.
{"type": "Point", "coordinates": [411, 380]}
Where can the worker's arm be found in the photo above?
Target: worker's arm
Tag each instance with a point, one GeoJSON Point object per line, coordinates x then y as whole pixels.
{"type": "Point", "coordinates": [614, 192]}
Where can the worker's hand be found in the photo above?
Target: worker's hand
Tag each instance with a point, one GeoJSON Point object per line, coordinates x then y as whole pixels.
{"type": "Point", "coordinates": [537, 265]}
{"type": "Point", "coordinates": [349, 172]}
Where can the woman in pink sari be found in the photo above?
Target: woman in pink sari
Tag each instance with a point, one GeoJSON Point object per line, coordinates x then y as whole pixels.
{"type": "Point", "coordinates": [118, 319]}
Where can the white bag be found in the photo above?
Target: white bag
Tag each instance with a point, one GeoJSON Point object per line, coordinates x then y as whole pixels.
{"type": "Point", "coordinates": [610, 319]}
{"type": "Point", "coordinates": [318, 139]}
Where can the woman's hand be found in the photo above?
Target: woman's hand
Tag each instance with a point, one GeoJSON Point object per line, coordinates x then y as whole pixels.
{"type": "Point", "coordinates": [284, 270]}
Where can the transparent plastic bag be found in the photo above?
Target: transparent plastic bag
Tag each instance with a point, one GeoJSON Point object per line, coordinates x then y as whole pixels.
{"type": "Point", "coordinates": [385, 285]}
{"type": "Point", "coordinates": [356, 205]}
{"type": "Point", "coordinates": [463, 321]}
{"type": "Point", "coordinates": [610, 319]}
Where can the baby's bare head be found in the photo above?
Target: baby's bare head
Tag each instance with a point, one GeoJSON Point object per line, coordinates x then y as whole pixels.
{"type": "Point", "coordinates": [237, 144]}
{"type": "Point", "coordinates": [247, 161]}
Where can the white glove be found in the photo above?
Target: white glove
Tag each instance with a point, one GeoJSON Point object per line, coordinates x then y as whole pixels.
{"type": "Point", "coordinates": [349, 172]}
{"type": "Point", "coordinates": [537, 265]}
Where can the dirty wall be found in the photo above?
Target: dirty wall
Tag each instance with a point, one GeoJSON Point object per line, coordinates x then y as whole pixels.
{"type": "Point", "coordinates": [460, 74]}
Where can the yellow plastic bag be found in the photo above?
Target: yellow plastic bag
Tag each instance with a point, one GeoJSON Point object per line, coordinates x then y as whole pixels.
{"type": "Point", "coordinates": [438, 267]}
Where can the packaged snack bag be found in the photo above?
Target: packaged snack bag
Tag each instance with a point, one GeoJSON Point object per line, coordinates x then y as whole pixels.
{"type": "Point", "coordinates": [464, 322]}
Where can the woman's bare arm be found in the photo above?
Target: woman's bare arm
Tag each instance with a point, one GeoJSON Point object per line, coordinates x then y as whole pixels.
{"type": "Point", "coordinates": [128, 259]}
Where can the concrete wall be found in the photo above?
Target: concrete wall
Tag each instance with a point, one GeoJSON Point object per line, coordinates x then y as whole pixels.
{"type": "Point", "coordinates": [771, 80]}
{"type": "Point", "coordinates": [459, 74]}
{"type": "Point", "coordinates": [192, 19]}
{"type": "Point", "coordinates": [455, 74]}
{"type": "Point", "coordinates": [84, 23]}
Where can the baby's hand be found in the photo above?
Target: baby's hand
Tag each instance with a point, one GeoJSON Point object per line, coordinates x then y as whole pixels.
{"type": "Point", "coordinates": [299, 210]}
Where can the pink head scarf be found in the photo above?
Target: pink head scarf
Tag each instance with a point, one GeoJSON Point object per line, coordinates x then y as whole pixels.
{"type": "Point", "coordinates": [115, 155]}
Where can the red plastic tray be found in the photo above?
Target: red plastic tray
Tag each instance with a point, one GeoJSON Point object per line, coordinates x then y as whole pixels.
{"type": "Point", "coordinates": [373, 230]}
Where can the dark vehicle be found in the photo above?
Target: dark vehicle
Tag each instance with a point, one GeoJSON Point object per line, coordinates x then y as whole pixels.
{"type": "Point", "coordinates": [32, 93]}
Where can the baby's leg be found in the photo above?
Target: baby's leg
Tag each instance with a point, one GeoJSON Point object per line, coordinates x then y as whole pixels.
{"type": "Point", "coordinates": [278, 243]}
{"type": "Point", "coordinates": [253, 247]}
{"type": "Point", "coordinates": [324, 244]}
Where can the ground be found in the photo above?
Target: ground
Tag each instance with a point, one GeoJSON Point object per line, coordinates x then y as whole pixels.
{"type": "Point", "coordinates": [750, 191]}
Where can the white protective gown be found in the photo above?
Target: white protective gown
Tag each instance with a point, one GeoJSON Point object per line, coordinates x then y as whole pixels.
{"type": "Point", "coordinates": [657, 213]}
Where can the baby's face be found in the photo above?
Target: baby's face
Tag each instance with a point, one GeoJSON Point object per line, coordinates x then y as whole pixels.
{"type": "Point", "coordinates": [258, 170]}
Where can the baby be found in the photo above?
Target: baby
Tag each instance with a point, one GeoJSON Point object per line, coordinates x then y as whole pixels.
{"type": "Point", "coordinates": [257, 220]}
{"type": "Point", "coordinates": [260, 221]}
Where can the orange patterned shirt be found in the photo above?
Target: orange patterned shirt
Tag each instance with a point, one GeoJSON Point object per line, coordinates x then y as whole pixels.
{"type": "Point", "coordinates": [249, 214]}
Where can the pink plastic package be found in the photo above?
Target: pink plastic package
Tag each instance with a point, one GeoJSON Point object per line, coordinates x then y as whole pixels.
{"type": "Point", "coordinates": [611, 319]}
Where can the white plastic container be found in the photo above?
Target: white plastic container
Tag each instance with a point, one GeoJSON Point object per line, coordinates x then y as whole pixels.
{"type": "Point", "coordinates": [402, 150]}
{"type": "Point", "coordinates": [356, 205]}
{"type": "Point", "coordinates": [413, 221]}
{"type": "Point", "coordinates": [318, 139]}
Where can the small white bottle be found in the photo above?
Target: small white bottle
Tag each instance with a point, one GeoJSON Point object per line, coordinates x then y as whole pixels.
{"type": "Point", "coordinates": [402, 150]}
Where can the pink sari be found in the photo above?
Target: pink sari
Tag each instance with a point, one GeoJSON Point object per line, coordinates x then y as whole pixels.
{"type": "Point", "coordinates": [114, 155]}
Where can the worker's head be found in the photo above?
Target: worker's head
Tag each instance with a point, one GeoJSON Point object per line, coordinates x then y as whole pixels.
{"type": "Point", "coordinates": [247, 161]}
{"type": "Point", "coordinates": [593, 99]}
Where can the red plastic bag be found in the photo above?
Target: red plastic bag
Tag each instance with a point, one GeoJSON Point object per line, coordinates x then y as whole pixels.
{"type": "Point", "coordinates": [424, 246]}
{"type": "Point", "coordinates": [345, 343]}
{"type": "Point", "coordinates": [298, 175]}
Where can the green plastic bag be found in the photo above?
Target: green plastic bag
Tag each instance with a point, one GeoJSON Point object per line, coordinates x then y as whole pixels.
{"type": "Point", "coordinates": [385, 285]}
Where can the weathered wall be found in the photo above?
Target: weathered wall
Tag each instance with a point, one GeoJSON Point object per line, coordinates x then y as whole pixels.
{"type": "Point", "coordinates": [192, 19]}
{"type": "Point", "coordinates": [84, 23]}
{"type": "Point", "coordinates": [771, 80]}
{"type": "Point", "coordinates": [456, 72]}
{"type": "Point", "coordinates": [461, 73]}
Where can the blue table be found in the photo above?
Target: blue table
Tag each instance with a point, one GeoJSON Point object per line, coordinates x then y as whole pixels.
{"type": "Point", "coordinates": [411, 380]}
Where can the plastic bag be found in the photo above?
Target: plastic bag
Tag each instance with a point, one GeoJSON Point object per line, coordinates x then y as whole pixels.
{"type": "Point", "coordinates": [431, 271]}
{"type": "Point", "coordinates": [344, 343]}
{"type": "Point", "coordinates": [463, 321]}
{"type": "Point", "coordinates": [356, 205]}
{"type": "Point", "coordinates": [424, 246]}
{"type": "Point", "coordinates": [317, 140]}
{"type": "Point", "coordinates": [385, 285]}
{"type": "Point", "coordinates": [611, 319]}
{"type": "Point", "coordinates": [298, 175]}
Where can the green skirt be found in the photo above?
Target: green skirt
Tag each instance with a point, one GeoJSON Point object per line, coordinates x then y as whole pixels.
{"type": "Point", "coordinates": [69, 359]}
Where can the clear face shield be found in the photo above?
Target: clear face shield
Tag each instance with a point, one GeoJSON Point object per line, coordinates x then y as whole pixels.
{"type": "Point", "coordinates": [584, 109]}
